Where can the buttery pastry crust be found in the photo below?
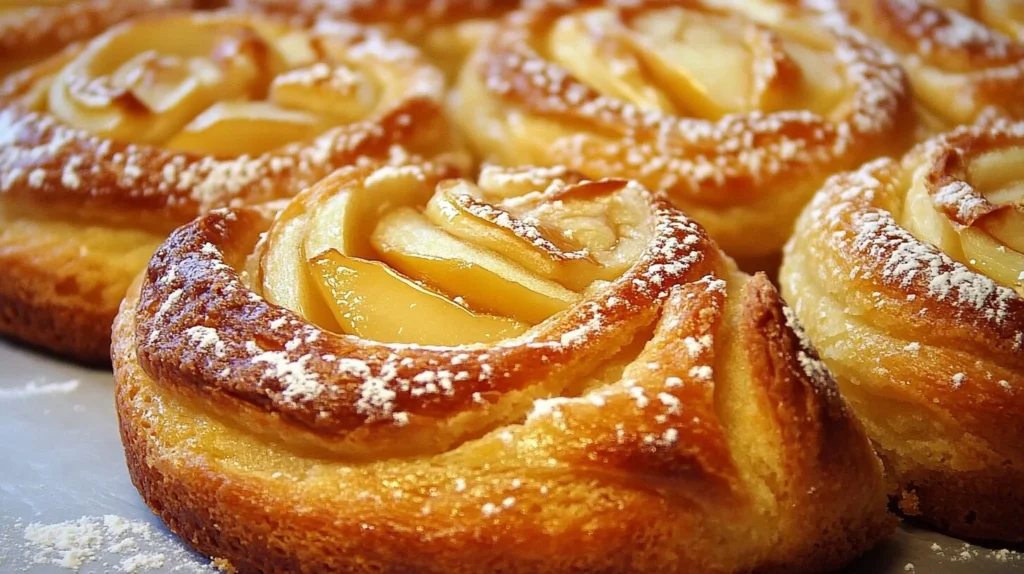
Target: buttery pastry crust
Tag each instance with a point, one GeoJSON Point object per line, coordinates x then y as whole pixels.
{"type": "Point", "coordinates": [721, 445]}
{"type": "Point", "coordinates": [626, 89]}
{"type": "Point", "coordinates": [964, 59]}
{"type": "Point", "coordinates": [88, 187]}
{"type": "Point", "coordinates": [30, 31]}
{"type": "Point", "coordinates": [909, 277]}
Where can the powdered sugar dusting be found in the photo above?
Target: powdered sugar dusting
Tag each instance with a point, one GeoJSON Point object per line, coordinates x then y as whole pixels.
{"type": "Point", "coordinates": [908, 260]}
{"type": "Point", "coordinates": [116, 543]}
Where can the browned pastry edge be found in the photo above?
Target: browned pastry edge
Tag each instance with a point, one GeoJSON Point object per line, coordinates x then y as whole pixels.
{"type": "Point", "coordinates": [258, 527]}
{"type": "Point", "coordinates": [32, 34]}
{"type": "Point", "coordinates": [32, 309]}
{"type": "Point", "coordinates": [982, 504]}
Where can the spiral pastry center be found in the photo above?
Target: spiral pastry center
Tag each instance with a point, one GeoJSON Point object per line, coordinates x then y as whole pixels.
{"type": "Point", "coordinates": [657, 59]}
{"type": "Point", "coordinates": [235, 87]}
{"type": "Point", "coordinates": [392, 260]}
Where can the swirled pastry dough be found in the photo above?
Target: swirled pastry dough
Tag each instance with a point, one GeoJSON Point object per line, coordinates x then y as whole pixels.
{"type": "Point", "coordinates": [965, 58]}
{"type": "Point", "coordinates": [527, 373]}
{"type": "Point", "coordinates": [738, 109]}
{"type": "Point", "coordinates": [107, 147]}
{"type": "Point", "coordinates": [909, 278]}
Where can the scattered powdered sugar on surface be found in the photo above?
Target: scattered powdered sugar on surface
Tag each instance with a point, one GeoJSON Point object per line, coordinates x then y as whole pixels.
{"type": "Point", "coordinates": [35, 388]}
{"type": "Point", "coordinates": [107, 543]}
{"type": "Point", "coordinates": [964, 552]}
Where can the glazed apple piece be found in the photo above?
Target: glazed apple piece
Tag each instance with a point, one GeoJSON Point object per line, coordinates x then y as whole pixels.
{"type": "Point", "coordinates": [540, 249]}
{"type": "Point", "coordinates": [674, 45]}
{"type": "Point", "coordinates": [147, 97]}
{"type": "Point", "coordinates": [342, 218]}
{"type": "Point", "coordinates": [283, 272]}
{"type": "Point", "coordinates": [344, 93]}
{"type": "Point", "coordinates": [374, 302]}
{"type": "Point", "coordinates": [234, 128]}
{"type": "Point", "coordinates": [594, 47]}
{"type": "Point", "coordinates": [410, 243]}
{"type": "Point", "coordinates": [346, 219]}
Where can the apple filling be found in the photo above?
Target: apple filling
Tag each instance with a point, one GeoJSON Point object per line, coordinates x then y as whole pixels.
{"type": "Point", "coordinates": [231, 88]}
{"type": "Point", "coordinates": [697, 62]}
{"type": "Point", "coordinates": [988, 234]}
{"type": "Point", "coordinates": [394, 259]}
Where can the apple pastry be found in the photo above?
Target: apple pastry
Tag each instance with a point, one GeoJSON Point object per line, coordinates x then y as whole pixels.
{"type": "Point", "coordinates": [965, 58]}
{"type": "Point", "coordinates": [910, 278]}
{"type": "Point", "coordinates": [739, 110]}
{"type": "Point", "coordinates": [447, 30]}
{"type": "Point", "coordinates": [533, 372]}
{"type": "Point", "coordinates": [107, 147]}
{"type": "Point", "coordinates": [30, 30]}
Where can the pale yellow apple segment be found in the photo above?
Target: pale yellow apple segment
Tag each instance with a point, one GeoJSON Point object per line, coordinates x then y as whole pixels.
{"type": "Point", "coordinates": [603, 62]}
{"type": "Point", "coordinates": [410, 243]}
{"type": "Point", "coordinates": [675, 45]}
{"type": "Point", "coordinates": [445, 212]}
{"type": "Point", "coordinates": [147, 97]}
{"type": "Point", "coordinates": [987, 255]}
{"type": "Point", "coordinates": [233, 128]}
{"type": "Point", "coordinates": [374, 302]}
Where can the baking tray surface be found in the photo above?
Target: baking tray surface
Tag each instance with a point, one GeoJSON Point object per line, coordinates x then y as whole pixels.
{"type": "Point", "coordinates": [66, 502]}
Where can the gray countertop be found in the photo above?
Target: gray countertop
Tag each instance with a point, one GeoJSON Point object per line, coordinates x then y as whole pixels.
{"type": "Point", "coordinates": [66, 500]}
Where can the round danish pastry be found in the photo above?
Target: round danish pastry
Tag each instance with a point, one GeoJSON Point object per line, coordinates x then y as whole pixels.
{"type": "Point", "coordinates": [106, 148]}
{"type": "Point", "coordinates": [909, 279]}
{"type": "Point", "coordinates": [964, 58]}
{"type": "Point", "coordinates": [531, 373]}
{"type": "Point", "coordinates": [739, 110]}
{"type": "Point", "coordinates": [30, 30]}
{"type": "Point", "coordinates": [447, 30]}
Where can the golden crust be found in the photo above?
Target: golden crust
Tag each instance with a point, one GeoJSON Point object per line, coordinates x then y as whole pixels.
{"type": "Point", "coordinates": [743, 171]}
{"type": "Point", "coordinates": [927, 348]}
{"type": "Point", "coordinates": [720, 446]}
{"type": "Point", "coordinates": [28, 34]}
{"type": "Point", "coordinates": [64, 190]}
{"type": "Point", "coordinates": [965, 61]}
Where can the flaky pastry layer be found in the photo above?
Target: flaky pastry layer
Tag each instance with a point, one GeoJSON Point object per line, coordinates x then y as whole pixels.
{"type": "Point", "coordinates": [909, 277]}
{"type": "Point", "coordinates": [965, 59]}
{"type": "Point", "coordinates": [670, 419]}
{"type": "Point", "coordinates": [739, 110]}
{"type": "Point", "coordinates": [137, 132]}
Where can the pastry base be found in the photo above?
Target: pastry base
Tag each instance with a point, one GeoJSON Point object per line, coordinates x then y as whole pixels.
{"type": "Point", "coordinates": [263, 506]}
{"type": "Point", "coordinates": [61, 283]}
{"type": "Point", "coordinates": [985, 504]}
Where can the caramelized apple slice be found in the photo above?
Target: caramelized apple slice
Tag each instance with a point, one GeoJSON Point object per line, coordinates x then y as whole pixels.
{"type": "Point", "coordinates": [541, 250]}
{"type": "Point", "coordinates": [408, 242]}
{"type": "Point", "coordinates": [675, 44]}
{"type": "Point", "coordinates": [604, 62]}
{"type": "Point", "coordinates": [374, 302]}
{"type": "Point", "coordinates": [345, 220]}
{"type": "Point", "coordinates": [114, 91]}
{"type": "Point", "coordinates": [343, 93]}
{"type": "Point", "coordinates": [235, 128]}
{"type": "Point", "coordinates": [284, 276]}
